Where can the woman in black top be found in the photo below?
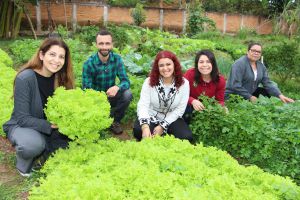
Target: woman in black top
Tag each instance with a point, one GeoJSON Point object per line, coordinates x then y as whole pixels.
{"type": "Point", "coordinates": [28, 129]}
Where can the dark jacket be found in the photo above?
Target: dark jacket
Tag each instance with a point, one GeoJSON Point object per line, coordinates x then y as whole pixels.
{"type": "Point", "coordinates": [241, 79]}
{"type": "Point", "coordinates": [28, 109]}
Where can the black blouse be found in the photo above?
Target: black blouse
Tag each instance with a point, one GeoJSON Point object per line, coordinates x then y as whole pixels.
{"type": "Point", "coordinates": [46, 87]}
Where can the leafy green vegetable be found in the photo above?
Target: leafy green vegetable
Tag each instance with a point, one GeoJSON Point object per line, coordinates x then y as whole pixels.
{"type": "Point", "coordinates": [7, 75]}
{"type": "Point", "coordinates": [159, 168]}
{"type": "Point", "coordinates": [79, 114]}
{"type": "Point", "coordinates": [5, 59]}
{"type": "Point", "coordinates": [265, 133]}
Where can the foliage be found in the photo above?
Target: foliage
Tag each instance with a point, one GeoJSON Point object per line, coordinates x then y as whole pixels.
{"type": "Point", "coordinates": [207, 35]}
{"type": "Point", "coordinates": [7, 75]}
{"type": "Point", "coordinates": [87, 34]}
{"type": "Point", "coordinates": [254, 7]}
{"type": "Point", "coordinates": [135, 87]}
{"type": "Point", "coordinates": [159, 168]}
{"type": "Point", "coordinates": [224, 62]}
{"type": "Point", "coordinates": [265, 134]}
{"type": "Point", "coordinates": [127, 3]}
{"type": "Point", "coordinates": [197, 21]}
{"type": "Point", "coordinates": [245, 32]}
{"type": "Point", "coordinates": [121, 36]}
{"type": "Point", "coordinates": [283, 59]}
{"type": "Point", "coordinates": [62, 31]}
{"type": "Point", "coordinates": [138, 14]}
{"type": "Point", "coordinates": [236, 50]}
{"type": "Point", "coordinates": [23, 50]}
{"type": "Point", "coordinates": [288, 19]}
{"type": "Point", "coordinates": [79, 53]}
{"type": "Point", "coordinates": [79, 114]}
{"type": "Point", "coordinates": [137, 63]}
{"type": "Point", "coordinates": [5, 59]}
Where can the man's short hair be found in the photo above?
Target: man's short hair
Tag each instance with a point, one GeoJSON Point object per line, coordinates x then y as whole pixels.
{"type": "Point", "coordinates": [104, 32]}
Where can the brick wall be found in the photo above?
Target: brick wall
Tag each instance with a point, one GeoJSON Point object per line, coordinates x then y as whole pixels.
{"type": "Point", "coordinates": [173, 19]}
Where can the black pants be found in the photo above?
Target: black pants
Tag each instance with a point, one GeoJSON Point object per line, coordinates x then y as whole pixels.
{"type": "Point", "coordinates": [119, 104]}
{"type": "Point", "coordinates": [53, 142]}
{"type": "Point", "coordinates": [188, 113]}
{"type": "Point", "coordinates": [178, 128]}
{"type": "Point", "coordinates": [261, 91]}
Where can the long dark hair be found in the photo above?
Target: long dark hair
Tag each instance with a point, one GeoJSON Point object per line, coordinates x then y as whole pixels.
{"type": "Point", "coordinates": [215, 70]}
{"type": "Point", "coordinates": [64, 77]}
{"type": "Point", "coordinates": [154, 74]}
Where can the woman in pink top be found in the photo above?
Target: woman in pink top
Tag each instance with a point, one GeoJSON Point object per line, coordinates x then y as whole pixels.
{"type": "Point", "coordinates": [204, 79]}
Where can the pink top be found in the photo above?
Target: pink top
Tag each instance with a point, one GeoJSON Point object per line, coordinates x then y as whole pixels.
{"type": "Point", "coordinates": [210, 89]}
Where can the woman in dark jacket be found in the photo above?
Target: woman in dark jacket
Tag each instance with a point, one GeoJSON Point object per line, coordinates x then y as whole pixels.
{"type": "Point", "coordinates": [28, 129]}
{"type": "Point", "coordinates": [247, 73]}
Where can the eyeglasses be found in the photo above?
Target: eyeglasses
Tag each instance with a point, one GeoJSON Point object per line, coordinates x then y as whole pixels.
{"type": "Point", "coordinates": [255, 51]}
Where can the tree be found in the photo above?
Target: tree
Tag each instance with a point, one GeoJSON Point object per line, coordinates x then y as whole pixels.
{"type": "Point", "coordinates": [138, 14]}
{"type": "Point", "coordinates": [11, 15]}
{"type": "Point", "coordinates": [289, 18]}
{"type": "Point", "coordinates": [197, 20]}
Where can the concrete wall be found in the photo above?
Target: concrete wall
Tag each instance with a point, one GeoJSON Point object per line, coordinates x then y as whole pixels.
{"type": "Point", "coordinates": [167, 19]}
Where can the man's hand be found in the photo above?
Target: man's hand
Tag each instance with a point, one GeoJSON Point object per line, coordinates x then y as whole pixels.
{"type": "Point", "coordinates": [112, 91]}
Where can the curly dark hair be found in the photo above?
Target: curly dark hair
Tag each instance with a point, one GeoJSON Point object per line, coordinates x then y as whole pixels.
{"type": "Point", "coordinates": [154, 74]}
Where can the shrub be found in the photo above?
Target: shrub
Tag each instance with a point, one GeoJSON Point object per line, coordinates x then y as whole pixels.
{"type": "Point", "coordinates": [87, 34]}
{"type": "Point", "coordinates": [265, 134]}
{"type": "Point", "coordinates": [121, 37]}
{"type": "Point", "coordinates": [159, 168]}
{"type": "Point", "coordinates": [79, 114]}
{"type": "Point", "coordinates": [283, 59]}
{"type": "Point", "coordinates": [138, 14]}
{"type": "Point", "coordinates": [245, 32]}
{"type": "Point", "coordinates": [197, 21]}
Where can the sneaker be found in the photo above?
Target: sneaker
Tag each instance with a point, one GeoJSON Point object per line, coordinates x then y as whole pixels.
{"type": "Point", "coordinates": [116, 128]}
{"type": "Point", "coordinates": [37, 165]}
{"type": "Point", "coordinates": [24, 174]}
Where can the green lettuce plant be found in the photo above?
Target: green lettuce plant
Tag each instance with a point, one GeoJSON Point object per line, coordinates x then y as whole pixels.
{"type": "Point", "coordinates": [5, 59]}
{"type": "Point", "coordinates": [159, 168]}
{"type": "Point", "coordinates": [7, 75]}
{"type": "Point", "coordinates": [79, 114]}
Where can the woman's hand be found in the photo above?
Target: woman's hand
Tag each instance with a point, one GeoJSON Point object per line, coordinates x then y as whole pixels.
{"type": "Point", "coordinates": [158, 130]}
{"type": "Point", "coordinates": [285, 99]}
{"type": "Point", "coordinates": [197, 105]}
{"type": "Point", "coordinates": [146, 131]}
{"type": "Point", "coordinates": [253, 99]}
{"type": "Point", "coordinates": [54, 126]}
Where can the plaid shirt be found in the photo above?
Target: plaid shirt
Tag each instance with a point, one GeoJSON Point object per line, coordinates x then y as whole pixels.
{"type": "Point", "coordinates": [101, 76]}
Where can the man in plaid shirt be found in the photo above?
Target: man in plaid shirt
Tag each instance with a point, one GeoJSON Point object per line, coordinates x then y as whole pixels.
{"type": "Point", "coordinates": [100, 72]}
